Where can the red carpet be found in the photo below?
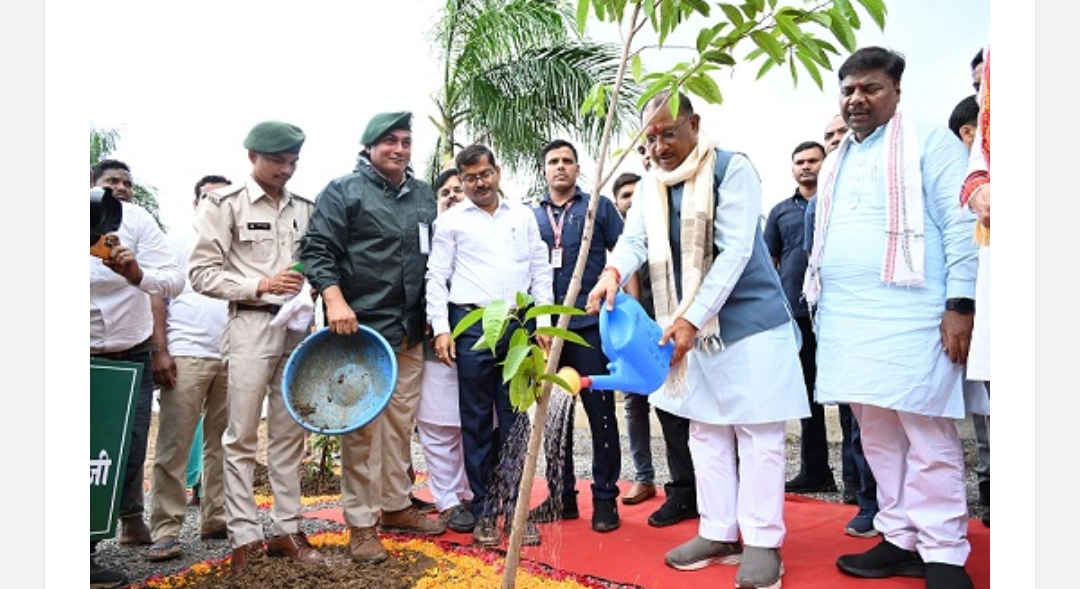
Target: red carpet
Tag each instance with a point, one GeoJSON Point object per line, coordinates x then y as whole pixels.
{"type": "Point", "coordinates": [634, 554]}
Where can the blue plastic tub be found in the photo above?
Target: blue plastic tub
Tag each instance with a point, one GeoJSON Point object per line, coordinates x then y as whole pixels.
{"type": "Point", "coordinates": [334, 384]}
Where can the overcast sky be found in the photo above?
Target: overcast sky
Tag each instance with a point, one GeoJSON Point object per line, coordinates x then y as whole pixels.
{"type": "Point", "coordinates": [194, 77]}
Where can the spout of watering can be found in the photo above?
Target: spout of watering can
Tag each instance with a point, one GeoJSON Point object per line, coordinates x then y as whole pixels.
{"type": "Point", "coordinates": [622, 378]}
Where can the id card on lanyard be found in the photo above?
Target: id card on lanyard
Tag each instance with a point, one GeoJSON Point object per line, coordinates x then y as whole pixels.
{"type": "Point", "coordinates": [557, 251]}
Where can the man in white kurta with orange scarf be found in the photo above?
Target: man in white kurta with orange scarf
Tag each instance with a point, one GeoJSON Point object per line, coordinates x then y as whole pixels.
{"type": "Point", "coordinates": [892, 277]}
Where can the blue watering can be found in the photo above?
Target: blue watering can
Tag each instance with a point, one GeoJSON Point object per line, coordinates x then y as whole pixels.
{"type": "Point", "coordinates": [628, 337]}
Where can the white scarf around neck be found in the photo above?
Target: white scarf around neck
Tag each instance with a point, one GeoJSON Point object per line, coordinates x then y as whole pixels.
{"type": "Point", "coordinates": [903, 262]}
{"type": "Point", "coordinates": [696, 226]}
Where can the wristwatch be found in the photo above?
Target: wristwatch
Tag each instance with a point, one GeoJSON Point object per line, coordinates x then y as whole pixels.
{"type": "Point", "coordinates": [960, 305]}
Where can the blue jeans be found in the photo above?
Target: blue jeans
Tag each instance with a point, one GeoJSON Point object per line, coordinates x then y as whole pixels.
{"type": "Point", "coordinates": [867, 493]}
{"type": "Point", "coordinates": [638, 430]}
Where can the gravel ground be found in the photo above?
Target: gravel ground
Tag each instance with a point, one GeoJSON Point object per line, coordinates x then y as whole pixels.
{"type": "Point", "coordinates": [132, 560]}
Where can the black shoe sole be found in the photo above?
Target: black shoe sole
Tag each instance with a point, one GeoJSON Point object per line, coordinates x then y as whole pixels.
{"type": "Point", "coordinates": [817, 489]}
{"type": "Point", "coordinates": [658, 523]}
{"type": "Point", "coordinates": [460, 529]}
{"type": "Point", "coordinates": [915, 570]}
{"type": "Point", "coordinates": [605, 527]}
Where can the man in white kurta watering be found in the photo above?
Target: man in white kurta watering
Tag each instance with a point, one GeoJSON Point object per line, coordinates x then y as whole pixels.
{"type": "Point", "coordinates": [735, 371]}
{"type": "Point", "coordinates": [892, 276]}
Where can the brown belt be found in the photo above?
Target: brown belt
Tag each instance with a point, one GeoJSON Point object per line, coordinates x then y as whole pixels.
{"type": "Point", "coordinates": [272, 309]}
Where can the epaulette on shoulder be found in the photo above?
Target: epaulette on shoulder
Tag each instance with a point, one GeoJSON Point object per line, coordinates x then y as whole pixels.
{"type": "Point", "coordinates": [219, 194]}
{"type": "Point", "coordinates": [301, 197]}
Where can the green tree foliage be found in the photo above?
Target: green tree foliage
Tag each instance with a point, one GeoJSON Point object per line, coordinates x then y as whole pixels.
{"type": "Point", "coordinates": [525, 363]}
{"type": "Point", "coordinates": [102, 143]}
{"type": "Point", "coordinates": [515, 74]}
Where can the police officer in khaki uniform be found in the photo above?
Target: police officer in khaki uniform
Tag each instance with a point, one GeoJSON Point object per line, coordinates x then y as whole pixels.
{"type": "Point", "coordinates": [246, 244]}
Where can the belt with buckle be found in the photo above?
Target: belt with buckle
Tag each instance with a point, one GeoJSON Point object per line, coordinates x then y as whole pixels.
{"type": "Point", "coordinates": [272, 309]}
{"type": "Point", "coordinates": [143, 348]}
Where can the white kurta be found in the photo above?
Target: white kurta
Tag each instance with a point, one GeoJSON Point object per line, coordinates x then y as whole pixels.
{"type": "Point", "coordinates": [439, 395]}
{"type": "Point", "coordinates": [749, 381]}
{"type": "Point", "coordinates": [880, 344]}
{"type": "Point", "coordinates": [757, 379]}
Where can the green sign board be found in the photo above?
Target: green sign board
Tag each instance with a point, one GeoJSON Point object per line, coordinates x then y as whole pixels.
{"type": "Point", "coordinates": [114, 391]}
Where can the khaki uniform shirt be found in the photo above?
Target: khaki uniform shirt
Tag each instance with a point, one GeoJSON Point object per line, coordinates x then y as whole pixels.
{"type": "Point", "coordinates": [243, 236]}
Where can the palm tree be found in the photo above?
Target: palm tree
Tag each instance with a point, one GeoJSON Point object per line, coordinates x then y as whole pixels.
{"type": "Point", "coordinates": [515, 74]}
{"type": "Point", "coordinates": [102, 143]}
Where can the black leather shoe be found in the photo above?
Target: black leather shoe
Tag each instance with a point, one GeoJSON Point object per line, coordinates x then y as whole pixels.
{"type": "Point", "coordinates": [805, 484]}
{"type": "Point", "coordinates": [671, 513]}
{"type": "Point", "coordinates": [883, 561]}
{"type": "Point", "coordinates": [553, 510]}
{"type": "Point", "coordinates": [424, 507]}
{"type": "Point", "coordinates": [946, 576]}
{"type": "Point", "coordinates": [605, 517]}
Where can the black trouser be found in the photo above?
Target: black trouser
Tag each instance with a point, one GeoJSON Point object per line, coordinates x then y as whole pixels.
{"type": "Point", "coordinates": [131, 498]}
{"type": "Point", "coordinates": [494, 474]}
{"type": "Point", "coordinates": [682, 490]}
{"type": "Point", "coordinates": [600, 408]}
{"type": "Point", "coordinates": [814, 443]}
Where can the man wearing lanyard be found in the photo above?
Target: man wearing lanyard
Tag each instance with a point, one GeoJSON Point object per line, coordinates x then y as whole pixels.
{"type": "Point", "coordinates": [561, 218]}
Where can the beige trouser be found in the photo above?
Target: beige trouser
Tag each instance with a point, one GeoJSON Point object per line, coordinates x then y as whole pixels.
{"type": "Point", "coordinates": [257, 354]}
{"type": "Point", "coordinates": [375, 458]}
{"type": "Point", "coordinates": [201, 384]}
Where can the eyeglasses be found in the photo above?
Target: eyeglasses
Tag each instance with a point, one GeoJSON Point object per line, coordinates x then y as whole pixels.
{"type": "Point", "coordinates": [445, 192]}
{"type": "Point", "coordinates": [470, 179]}
{"type": "Point", "coordinates": [667, 136]}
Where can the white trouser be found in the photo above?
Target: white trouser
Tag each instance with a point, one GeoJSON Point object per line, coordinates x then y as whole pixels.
{"type": "Point", "coordinates": [918, 462]}
{"type": "Point", "coordinates": [445, 460]}
{"type": "Point", "coordinates": [740, 491]}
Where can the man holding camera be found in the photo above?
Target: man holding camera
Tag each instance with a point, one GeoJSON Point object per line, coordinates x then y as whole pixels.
{"type": "Point", "coordinates": [123, 277]}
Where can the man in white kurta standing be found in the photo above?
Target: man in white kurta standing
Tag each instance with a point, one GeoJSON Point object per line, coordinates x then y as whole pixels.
{"type": "Point", "coordinates": [735, 369]}
{"type": "Point", "coordinates": [892, 274]}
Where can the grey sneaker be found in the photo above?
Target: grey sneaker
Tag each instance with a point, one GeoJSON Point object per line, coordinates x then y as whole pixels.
{"type": "Point", "coordinates": [761, 568]}
{"type": "Point", "coordinates": [699, 553]}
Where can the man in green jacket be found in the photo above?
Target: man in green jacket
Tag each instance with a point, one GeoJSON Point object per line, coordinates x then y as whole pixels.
{"type": "Point", "coordinates": [366, 252]}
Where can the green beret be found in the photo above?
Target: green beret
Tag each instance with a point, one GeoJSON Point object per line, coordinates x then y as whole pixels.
{"type": "Point", "coordinates": [383, 123]}
{"type": "Point", "coordinates": [275, 137]}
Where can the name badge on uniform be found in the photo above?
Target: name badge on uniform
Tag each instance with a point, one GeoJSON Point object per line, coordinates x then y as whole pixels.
{"type": "Point", "coordinates": [425, 238]}
{"type": "Point", "coordinates": [259, 226]}
{"type": "Point", "coordinates": [556, 257]}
